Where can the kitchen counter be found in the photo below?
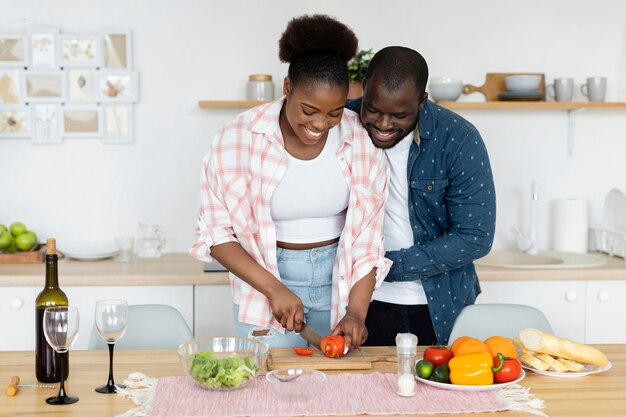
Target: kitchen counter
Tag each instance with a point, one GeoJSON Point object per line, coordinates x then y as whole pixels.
{"type": "Point", "coordinates": [594, 395]}
{"type": "Point", "coordinates": [182, 269]}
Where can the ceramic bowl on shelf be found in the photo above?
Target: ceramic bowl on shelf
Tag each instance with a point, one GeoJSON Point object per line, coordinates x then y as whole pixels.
{"type": "Point", "coordinates": [522, 82]}
{"type": "Point", "coordinates": [445, 88]}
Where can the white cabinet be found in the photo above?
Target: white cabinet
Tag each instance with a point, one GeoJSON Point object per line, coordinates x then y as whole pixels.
{"type": "Point", "coordinates": [214, 311]}
{"type": "Point", "coordinates": [563, 302]}
{"type": "Point", "coordinates": [178, 296]}
{"type": "Point", "coordinates": [606, 308]}
{"type": "Point", "coordinates": [17, 318]}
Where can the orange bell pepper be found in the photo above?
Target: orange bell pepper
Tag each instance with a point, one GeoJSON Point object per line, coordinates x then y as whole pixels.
{"type": "Point", "coordinates": [471, 369]}
{"type": "Point", "coordinates": [468, 345]}
{"type": "Point", "coordinates": [499, 344]}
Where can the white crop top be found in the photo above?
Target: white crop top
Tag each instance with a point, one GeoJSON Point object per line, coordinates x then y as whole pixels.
{"type": "Point", "coordinates": [310, 202]}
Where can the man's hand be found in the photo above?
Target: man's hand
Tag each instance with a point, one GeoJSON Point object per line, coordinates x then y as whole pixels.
{"type": "Point", "coordinates": [353, 329]}
{"type": "Point", "coordinates": [287, 308]}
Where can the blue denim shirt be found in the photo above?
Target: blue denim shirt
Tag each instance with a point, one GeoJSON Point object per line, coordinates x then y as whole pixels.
{"type": "Point", "coordinates": [452, 210]}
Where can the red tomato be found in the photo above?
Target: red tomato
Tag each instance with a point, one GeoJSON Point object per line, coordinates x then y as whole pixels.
{"type": "Point", "coordinates": [303, 351]}
{"type": "Point", "coordinates": [505, 369]}
{"type": "Point", "coordinates": [438, 355]}
{"type": "Point", "coordinates": [333, 346]}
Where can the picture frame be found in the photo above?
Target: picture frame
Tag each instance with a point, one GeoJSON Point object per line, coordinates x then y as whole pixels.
{"type": "Point", "coordinates": [81, 121]}
{"type": "Point", "coordinates": [42, 86]}
{"type": "Point", "coordinates": [11, 86]}
{"type": "Point", "coordinates": [44, 48]}
{"type": "Point", "coordinates": [13, 50]}
{"type": "Point", "coordinates": [122, 86]}
{"type": "Point", "coordinates": [15, 121]}
{"type": "Point", "coordinates": [79, 50]}
{"type": "Point", "coordinates": [46, 123]}
{"type": "Point", "coordinates": [117, 50]}
{"type": "Point", "coordinates": [81, 85]}
{"type": "Point", "coordinates": [118, 123]}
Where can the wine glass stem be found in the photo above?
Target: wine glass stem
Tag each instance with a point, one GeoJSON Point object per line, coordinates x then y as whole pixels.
{"type": "Point", "coordinates": [111, 382]}
{"type": "Point", "coordinates": [62, 366]}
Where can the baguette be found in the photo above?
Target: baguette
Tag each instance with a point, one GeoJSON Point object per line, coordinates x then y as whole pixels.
{"type": "Point", "coordinates": [530, 360]}
{"type": "Point", "coordinates": [572, 366]}
{"type": "Point", "coordinates": [538, 341]}
{"type": "Point", "coordinates": [555, 365]}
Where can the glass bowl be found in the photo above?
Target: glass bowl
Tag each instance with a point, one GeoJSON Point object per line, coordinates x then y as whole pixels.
{"type": "Point", "coordinates": [223, 363]}
{"type": "Point", "coordinates": [298, 384]}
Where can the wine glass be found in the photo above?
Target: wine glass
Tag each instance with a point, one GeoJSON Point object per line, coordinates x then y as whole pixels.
{"type": "Point", "coordinates": [60, 326]}
{"type": "Point", "coordinates": [111, 319]}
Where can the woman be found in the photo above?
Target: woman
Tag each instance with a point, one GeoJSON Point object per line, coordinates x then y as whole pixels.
{"type": "Point", "coordinates": [292, 199]}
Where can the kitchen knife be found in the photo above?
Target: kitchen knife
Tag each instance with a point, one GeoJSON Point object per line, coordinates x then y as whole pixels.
{"type": "Point", "coordinates": [311, 335]}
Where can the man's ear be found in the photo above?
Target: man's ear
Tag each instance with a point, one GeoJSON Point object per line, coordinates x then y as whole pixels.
{"type": "Point", "coordinates": [286, 86]}
{"type": "Point", "coordinates": [422, 102]}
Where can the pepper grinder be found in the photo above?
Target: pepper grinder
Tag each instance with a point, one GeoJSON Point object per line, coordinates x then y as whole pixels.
{"type": "Point", "coordinates": [406, 349]}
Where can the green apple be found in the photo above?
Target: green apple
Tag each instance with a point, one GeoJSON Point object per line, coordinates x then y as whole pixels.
{"type": "Point", "coordinates": [12, 248]}
{"type": "Point", "coordinates": [33, 234]}
{"type": "Point", "coordinates": [6, 239]}
{"type": "Point", "coordinates": [24, 242]}
{"type": "Point", "coordinates": [18, 228]}
{"type": "Point", "coordinates": [3, 229]}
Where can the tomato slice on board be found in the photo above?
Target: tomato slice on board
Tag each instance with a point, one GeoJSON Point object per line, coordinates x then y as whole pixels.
{"type": "Point", "coordinates": [303, 351]}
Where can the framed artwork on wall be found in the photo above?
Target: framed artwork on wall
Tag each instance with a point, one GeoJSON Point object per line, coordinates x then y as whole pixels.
{"type": "Point", "coordinates": [80, 51]}
{"type": "Point", "coordinates": [45, 124]}
{"type": "Point", "coordinates": [13, 50]}
{"type": "Point", "coordinates": [81, 121]}
{"type": "Point", "coordinates": [80, 85]}
{"type": "Point", "coordinates": [44, 86]}
{"type": "Point", "coordinates": [44, 49]}
{"type": "Point", "coordinates": [11, 90]}
{"type": "Point", "coordinates": [118, 123]}
{"type": "Point", "coordinates": [118, 87]}
{"type": "Point", "coordinates": [116, 49]}
{"type": "Point", "coordinates": [14, 121]}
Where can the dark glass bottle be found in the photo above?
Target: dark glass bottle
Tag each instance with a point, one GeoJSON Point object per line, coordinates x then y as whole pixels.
{"type": "Point", "coordinates": [47, 362]}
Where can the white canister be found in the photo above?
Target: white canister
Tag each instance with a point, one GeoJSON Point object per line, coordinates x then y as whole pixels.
{"type": "Point", "coordinates": [260, 87]}
{"type": "Point", "coordinates": [570, 225]}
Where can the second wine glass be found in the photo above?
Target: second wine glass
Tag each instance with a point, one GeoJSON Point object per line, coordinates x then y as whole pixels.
{"type": "Point", "coordinates": [111, 320]}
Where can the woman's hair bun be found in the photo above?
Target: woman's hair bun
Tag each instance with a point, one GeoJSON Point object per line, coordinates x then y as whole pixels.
{"type": "Point", "coordinates": [317, 32]}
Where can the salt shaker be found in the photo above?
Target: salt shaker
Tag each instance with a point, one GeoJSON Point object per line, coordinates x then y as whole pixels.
{"type": "Point", "coordinates": [406, 349]}
{"type": "Point", "coordinates": [260, 87]}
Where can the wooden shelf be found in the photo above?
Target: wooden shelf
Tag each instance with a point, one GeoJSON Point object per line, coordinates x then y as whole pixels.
{"type": "Point", "coordinates": [531, 105]}
{"type": "Point", "coordinates": [214, 104]}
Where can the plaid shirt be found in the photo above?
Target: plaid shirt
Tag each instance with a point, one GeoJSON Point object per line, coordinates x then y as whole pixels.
{"type": "Point", "coordinates": [246, 162]}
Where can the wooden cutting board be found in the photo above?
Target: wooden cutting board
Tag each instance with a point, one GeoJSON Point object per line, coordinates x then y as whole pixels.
{"type": "Point", "coordinates": [287, 358]}
{"type": "Point", "coordinates": [494, 84]}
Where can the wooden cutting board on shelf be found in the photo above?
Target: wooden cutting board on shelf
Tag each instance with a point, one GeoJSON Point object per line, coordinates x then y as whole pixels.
{"type": "Point", "coordinates": [287, 358]}
{"type": "Point", "coordinates": [494, 84]}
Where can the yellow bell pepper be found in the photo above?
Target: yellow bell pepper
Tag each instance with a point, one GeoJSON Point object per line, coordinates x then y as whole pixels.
{"type": "Point", "coordinates": [471, 369]}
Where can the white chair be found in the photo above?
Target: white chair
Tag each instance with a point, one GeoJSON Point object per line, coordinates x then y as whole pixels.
{"type": "Point", "coordinates": [485, 320]}
{"type": "Point", "coordinates": [150, 326]}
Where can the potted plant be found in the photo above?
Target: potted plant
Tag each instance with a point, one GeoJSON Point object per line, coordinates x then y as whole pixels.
{"type": "Point", "coordinates": [357, 67]}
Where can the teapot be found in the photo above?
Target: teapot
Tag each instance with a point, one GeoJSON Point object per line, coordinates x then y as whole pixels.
{"type": "Point", "coordinates": [150, 241]}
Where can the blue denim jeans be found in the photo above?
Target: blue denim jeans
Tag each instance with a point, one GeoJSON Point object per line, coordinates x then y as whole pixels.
{"type": "Point", "coordinates": [308, 274]}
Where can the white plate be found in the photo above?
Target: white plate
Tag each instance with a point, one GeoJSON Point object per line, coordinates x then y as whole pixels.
{"type": "Point", "coordinates": [455, 387]}
{"type": "Point", "coordinates": [589, 369]}
{"type": "Point", "coordinates": [89, 252]}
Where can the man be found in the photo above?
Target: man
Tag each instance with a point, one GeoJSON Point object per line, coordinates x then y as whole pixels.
{"type": "Point", "coordinates": [441, 211]}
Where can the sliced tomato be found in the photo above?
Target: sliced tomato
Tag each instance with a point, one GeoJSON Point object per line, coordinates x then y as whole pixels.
{"type": "Point", "coordinates": [303, 351]}
{"type": "Point", "coordinates": [333, 345]}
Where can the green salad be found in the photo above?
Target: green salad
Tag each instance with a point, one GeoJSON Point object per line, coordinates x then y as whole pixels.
{"type": "Point", "coordinates": [215, 372]}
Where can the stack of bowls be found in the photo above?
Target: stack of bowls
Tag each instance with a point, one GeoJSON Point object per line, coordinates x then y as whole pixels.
{"type": "Point", "coordinates": [523, 87]}
{"type": "Point", "coordinates": [445, 88]}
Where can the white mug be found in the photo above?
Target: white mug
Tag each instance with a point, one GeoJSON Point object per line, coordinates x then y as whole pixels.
{"type": "Point", "coordinates": [594, 89]}
{"type": "Point", "coordinates": [561, 90]}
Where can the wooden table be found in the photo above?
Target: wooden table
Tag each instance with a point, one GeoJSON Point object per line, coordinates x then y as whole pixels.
{"type": "Point", "coordinates": [595, 395]}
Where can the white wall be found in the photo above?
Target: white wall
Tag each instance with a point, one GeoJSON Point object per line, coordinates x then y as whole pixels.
{"type": "Point", "coordinates": [188, 50]}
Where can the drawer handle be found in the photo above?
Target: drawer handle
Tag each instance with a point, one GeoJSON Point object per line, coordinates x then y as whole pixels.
{"type": "Point", "coordinates": [571, 296]}
{"type": "Point", "coordinates": [604, 296]}
{"type": "Point", "coordinates": [17, 303]}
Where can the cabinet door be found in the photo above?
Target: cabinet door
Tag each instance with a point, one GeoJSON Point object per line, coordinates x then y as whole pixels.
{"type": "Point", "coordinates": [214, 311]}
{"type": "Point", "coordinates": [17, 318]}
{"type": "Point", "coordinates": [606, 308]}
{"type": "Point", "coordinates": [178, 296]}
{"type": "Point", "coordinates": [563, 302]}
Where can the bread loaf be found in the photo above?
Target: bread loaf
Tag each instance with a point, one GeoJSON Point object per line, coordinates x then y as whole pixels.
{"type": "Point", "coordinates": [529, 360]}
{"type": "Point", "coordinates": [538, 341]}
{"type": "Point", "coordinates": [572, 366]}
{"type": "Point", "coordinates": [555, 365]}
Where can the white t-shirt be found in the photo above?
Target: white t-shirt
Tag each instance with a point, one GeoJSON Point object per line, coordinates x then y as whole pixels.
{"type": "Point", "coordinates": [397, 229]}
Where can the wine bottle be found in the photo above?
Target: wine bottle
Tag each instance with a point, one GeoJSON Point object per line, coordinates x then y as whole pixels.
{"type": "Point", "coordinates": [47, 360]}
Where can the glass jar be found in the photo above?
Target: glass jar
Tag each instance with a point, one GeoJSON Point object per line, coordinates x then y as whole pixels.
{"type": "Point", "coordinates": [260, 87]}
{"type": "Point", "coordinates": [150, 241]}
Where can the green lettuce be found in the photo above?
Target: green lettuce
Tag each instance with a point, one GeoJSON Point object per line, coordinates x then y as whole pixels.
{"type": "Point", "coordinates": [214, 372]}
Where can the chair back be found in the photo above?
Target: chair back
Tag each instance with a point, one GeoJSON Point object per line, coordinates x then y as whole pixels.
{"type": "Point", "coordinates": [150, 326]}
{"type": "Point", "coordinates": [485, 320]}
